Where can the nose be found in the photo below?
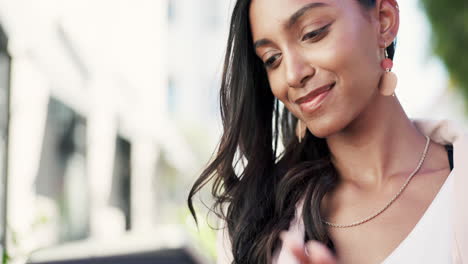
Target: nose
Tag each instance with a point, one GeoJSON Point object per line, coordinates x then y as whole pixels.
{"type": "Point", "coordinates": [298, 70]}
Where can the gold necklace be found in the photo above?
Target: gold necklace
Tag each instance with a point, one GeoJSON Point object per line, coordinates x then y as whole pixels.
{"type": "Point", "coordinates": [394, 197]}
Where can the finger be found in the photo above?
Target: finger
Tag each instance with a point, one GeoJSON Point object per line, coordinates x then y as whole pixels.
{"type": "Point", "coordinates": [295, 247]}
{"type": "Point", "coordinates": [301, 256]}
{"type": "Point", "coordinates": [319, 253]}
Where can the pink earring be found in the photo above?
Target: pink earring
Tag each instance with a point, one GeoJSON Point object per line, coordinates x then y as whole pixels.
{"type": "Point", "coordinates": [389, 79]}
{"type": "Point", "coordinates": [300, 131]}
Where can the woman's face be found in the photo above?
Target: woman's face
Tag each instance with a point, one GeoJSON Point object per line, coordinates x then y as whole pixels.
{"type": "Point", "coordinates": [310, 44]}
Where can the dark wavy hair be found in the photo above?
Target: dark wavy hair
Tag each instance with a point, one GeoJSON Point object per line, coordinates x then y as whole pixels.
{"type": "Point", "coordinates": [259, 200]}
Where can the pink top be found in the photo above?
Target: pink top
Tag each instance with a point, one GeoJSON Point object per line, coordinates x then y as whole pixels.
{"type": "Point", "coordinates": [448, 210]}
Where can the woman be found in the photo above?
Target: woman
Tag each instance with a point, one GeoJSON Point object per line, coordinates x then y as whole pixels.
{"type": "Point", "coordinates": [357, 180]}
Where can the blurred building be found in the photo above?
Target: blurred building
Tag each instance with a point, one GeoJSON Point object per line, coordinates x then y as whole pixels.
{"type": "Point", "coordinates": [113, 110]}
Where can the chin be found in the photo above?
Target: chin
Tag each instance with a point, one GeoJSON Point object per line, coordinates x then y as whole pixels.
{"type": "Point", "coordinates": [323, 128]}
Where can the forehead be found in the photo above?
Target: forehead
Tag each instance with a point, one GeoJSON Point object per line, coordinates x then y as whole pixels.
{"type": "Point", "coordinates": [283, 6]}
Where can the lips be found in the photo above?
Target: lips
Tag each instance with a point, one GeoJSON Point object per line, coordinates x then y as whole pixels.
{"type": "Point", "coordinates": [314, 93]}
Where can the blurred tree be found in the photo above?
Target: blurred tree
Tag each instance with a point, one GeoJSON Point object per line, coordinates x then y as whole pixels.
{"type": "Point", "coordinates": [449, 20]}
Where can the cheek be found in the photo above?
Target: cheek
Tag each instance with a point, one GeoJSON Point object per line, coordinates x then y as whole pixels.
{"type": "Point", "coordinates": [278, 87]}
{"type": "Point", "coordinates": [354, 64]}
{"type": "Point", "coordinates": [340, 58]}
{"type": "Point", "coordinates": [280, 91]}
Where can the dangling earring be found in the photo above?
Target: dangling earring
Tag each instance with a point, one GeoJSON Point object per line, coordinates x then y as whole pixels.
{"type": "Point", "coordinates": [389, 79]}
{"type": "Point", "coordinates": [300, 130]}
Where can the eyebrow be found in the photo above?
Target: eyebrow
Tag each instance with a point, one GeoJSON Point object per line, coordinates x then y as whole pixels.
{"type": "Point", "coordinates": [301, 12]}
{"type": "Point", "coordinates": [293, 19]}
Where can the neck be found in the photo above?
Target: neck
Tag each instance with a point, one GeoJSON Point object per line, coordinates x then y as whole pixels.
{"type": "Point", "coordinates": [382, 142]}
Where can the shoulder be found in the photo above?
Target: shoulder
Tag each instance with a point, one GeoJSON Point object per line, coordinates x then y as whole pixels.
{"type": "Point", "coordinates": [443, 131]}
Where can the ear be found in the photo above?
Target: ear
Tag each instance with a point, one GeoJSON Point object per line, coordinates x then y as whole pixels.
{"type": "Point", "coordinates": [389, 21]}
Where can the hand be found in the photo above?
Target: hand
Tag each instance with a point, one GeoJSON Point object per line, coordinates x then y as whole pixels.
{"type": "Point", "coordinates": [313, 252]}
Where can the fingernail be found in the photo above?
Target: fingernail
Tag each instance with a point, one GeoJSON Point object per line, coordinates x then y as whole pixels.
{"type": "Point", "coordinates": [306, 250]}
{"type": "Point", "coordinates": [283, 235]}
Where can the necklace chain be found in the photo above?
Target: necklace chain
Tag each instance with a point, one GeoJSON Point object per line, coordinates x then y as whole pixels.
{"type": "Point", "coordinates": [394, 197]}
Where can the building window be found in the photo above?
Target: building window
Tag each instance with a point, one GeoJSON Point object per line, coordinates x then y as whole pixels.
{"type": "Point", "coordinates": [171, 11]}
{"type": "Point", "coordinates": [120, 196]}
{"type": "Point", "coordinates": [62, 171]}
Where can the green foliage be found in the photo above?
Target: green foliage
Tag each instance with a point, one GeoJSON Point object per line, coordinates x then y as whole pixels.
{"type": "Point", "coordinates": [449, 20]}
{"type": "Point", "coordinates": [5, 258]}
{"type": "Point", "coordinates": [203, 233]}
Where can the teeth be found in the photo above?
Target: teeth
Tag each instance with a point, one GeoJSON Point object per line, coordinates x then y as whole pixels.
{"type": "Point", "coordinates": [328, 88]}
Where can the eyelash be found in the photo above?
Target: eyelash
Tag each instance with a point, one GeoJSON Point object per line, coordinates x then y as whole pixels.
{"type": "Point", "coordinates": [311, 35]}
{"type": "Point", "coordinates": [315, 33]}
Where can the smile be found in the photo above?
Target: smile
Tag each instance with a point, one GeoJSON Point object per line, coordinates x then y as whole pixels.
{"type": "Point", "coordinates": [314, 99]}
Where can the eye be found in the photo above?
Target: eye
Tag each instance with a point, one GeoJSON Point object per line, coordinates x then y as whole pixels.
{"type": "Point", "coordinates": [315, 33]}
{"type": "Point", "coordinates": [270, 61]}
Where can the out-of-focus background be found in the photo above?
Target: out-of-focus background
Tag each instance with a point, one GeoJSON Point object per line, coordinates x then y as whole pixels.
{"type": "Point", "coordinates": [109, 111]}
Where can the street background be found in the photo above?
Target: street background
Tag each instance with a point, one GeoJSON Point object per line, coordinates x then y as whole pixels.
{"type": "Point", "coordinates": [114, 112]}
